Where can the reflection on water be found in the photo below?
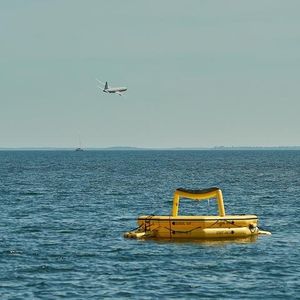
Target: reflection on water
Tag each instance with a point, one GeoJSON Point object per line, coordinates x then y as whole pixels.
{"type": "Point", "coordinates": [208, 242]}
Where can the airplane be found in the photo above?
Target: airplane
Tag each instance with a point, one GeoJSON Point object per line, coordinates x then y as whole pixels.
{"type": "Point", "coordinates": [112, 90]}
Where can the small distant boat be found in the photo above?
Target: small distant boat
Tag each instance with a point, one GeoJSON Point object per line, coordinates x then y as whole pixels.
{"type": "Point", "coordinates": [197, 227]}
{"type": "Point", "coordinates": [80, 147]}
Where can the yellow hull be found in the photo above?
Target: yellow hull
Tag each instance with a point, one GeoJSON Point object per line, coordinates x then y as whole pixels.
{"type": "Point", "coordinates": [195, 227]}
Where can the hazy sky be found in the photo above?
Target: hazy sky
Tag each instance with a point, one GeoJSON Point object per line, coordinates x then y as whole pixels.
{"type": "Point", "coordinates": [199, 73]}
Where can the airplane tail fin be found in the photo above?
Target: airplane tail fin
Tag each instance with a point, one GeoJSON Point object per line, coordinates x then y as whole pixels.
{"type": "Point", "coordinates": [106, 85]}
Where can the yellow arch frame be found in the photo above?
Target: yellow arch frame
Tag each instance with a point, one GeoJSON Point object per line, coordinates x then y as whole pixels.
{"type": "Point", "coordinates": [203, 196]}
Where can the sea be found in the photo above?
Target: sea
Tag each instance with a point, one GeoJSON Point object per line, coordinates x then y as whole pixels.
{"type": "Point", "coordinates": [63, 215]}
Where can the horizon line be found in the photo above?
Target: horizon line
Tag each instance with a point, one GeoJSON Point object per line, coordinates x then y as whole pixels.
{"type": "Point", "coordinates": [115, 148]}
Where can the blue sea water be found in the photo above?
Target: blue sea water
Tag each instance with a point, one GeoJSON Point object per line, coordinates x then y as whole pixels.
{"type": "Point", "coordinates": [63, 215]}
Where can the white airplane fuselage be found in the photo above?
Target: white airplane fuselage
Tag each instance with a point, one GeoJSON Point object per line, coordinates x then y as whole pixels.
{"type": "Point", "coordinates": [115, 90]}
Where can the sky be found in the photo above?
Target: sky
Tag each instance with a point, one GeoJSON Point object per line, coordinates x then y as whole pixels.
{"type": "Point", "coordinates": [200, 73]}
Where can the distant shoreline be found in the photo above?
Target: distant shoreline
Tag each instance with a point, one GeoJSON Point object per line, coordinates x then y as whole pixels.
{"type": "Point", "coordinates": [218, 148]}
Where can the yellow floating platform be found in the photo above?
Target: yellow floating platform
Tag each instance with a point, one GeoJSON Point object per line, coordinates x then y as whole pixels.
{"type": "Point", "coordinates": [197, 227]}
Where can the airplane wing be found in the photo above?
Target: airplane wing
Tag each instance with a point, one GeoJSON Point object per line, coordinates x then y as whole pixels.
{"type": "Point", "coordinates": [100, 81]}
{"type": "Point", "coordinates": [119, 93]}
